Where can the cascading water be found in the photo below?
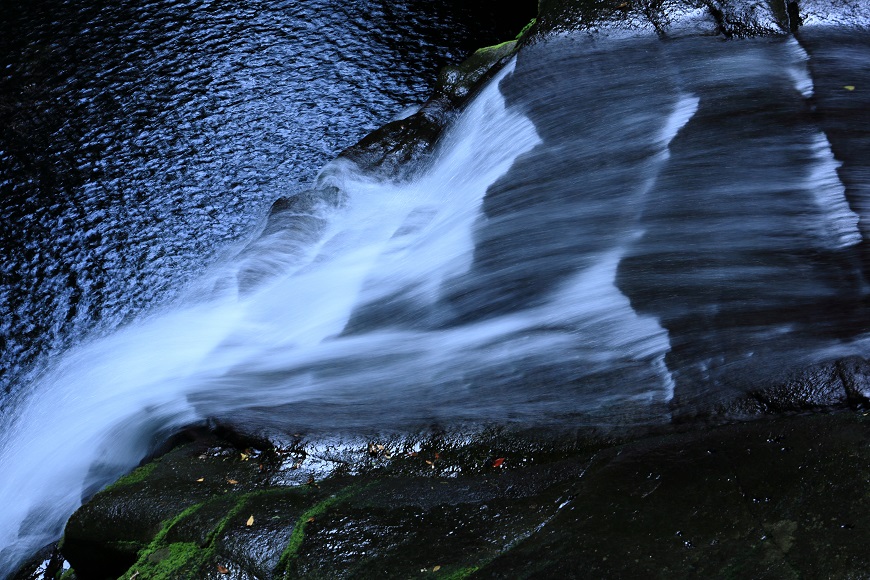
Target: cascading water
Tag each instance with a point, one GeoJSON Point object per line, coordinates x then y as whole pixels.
{"type": "Point", "coordinates": [114, 398]}
{"type": "Point", "coordinates": [609, 231]}
{"type": "Point", "coordinates": [308, 343]}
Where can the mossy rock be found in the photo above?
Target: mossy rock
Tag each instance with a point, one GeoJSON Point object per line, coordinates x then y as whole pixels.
{"type": "Point", "coordinates": [772, 498]}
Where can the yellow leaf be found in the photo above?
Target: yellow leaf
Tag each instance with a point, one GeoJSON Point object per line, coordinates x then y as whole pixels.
{"type": "Point", "coordinates": [311, 519]}
{"type": "Point", "coordinates": [849, 87]}
{"type": "Point", "coordinates": [201, 479]}
{"type": "Point", "coordinates": [436, 568]}
{"type": "Point", "coordinates": [250, 521]}
{"type": "Point", "coordinates": [245, 456]}
{"type": "Point", "coordinates": [232, 481]}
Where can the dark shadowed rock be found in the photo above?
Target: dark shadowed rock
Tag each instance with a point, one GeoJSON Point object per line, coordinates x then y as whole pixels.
{"type": "Point", "coordinates": [400, 147]}
{"type": "Point", "coordinates": [764, 500]}
{"type": "Point", "coordinates": [772, 498]}
{"type": "Point", "coordinates": [626, 18]}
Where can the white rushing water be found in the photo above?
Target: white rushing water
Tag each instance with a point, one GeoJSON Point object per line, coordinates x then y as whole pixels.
{"type": "Point", "coordinates": [291, 342]}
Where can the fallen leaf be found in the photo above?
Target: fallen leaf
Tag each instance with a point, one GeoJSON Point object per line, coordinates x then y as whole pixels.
{"type": "Point", "coordinates": [436, 568]}
{"type": "Point", "coordinates": [498, 462]}
{"type": "Point", "coordinates": [201, 479]}
{"type": "Point", "coordinates": [250, 521]}
{"type": "Point", "coordinates": [437, 456]}
{"type": "Point", "coordinates": [232, 481]}
{"type": "Point", "coordinates": [429, 462]}
{"type": "Point", "coordinates": [245, 456]}
{"type": "Point", "coordinates": [135, 575]}
{"type": "Point", "coordinates": [849, 87]}
{"type": "Point", "coordinates": [223, 569]}
{"type": "Point", "coordinates": [311, 519]}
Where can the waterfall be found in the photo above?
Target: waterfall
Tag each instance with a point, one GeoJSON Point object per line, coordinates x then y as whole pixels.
{"type": "Point", "coordinates": [354, 334]}
{"type": "Point", "coordinates": [600, 233]}
{"type": "Point", "coordinates": [104, 405]}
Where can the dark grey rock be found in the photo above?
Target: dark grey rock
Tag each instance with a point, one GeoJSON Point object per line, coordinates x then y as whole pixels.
{"type": "Point", "coordinates": [400, 148]}
{"type": "Point", "coordinates": [773, 498]}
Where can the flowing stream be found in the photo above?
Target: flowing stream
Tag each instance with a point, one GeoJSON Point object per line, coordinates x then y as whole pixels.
{"type": "Point", "coordinates": [611, 230]}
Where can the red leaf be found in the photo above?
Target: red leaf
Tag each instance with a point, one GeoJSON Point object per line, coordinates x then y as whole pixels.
{"type": "Point", "coordinates": [498, 462]}
{"type": "Point", "coordinates": [223, 569]}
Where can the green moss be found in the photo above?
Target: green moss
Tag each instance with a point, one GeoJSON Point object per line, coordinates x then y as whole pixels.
{"type": "Point", "coordinates": [508, 44]}
{"type": "Point", "coordinates": [486, 50]}
{"type": "Point", "coordinates": [165, 563]}
{"type": "Point", "coordinates": [126, 545]}
{"type": "Point", "coordinates": [168, 525]}
{"type": "Point", "coordinates": [298, 534]}
{"type": "Point", "coordinates": [526, 28]}
{"type": "Point", "coordinates": [135, 476]}
{"type": "Point", "coordinates": [180, 559]}
{"type": "Point", "coordinates": [460, 574]}
{"type": "Point", "coordinates": [67, 574]}
{"type": "Point", "coordinates": [159, 561]}
{"type": "Point", "coordinates": [226, 519]}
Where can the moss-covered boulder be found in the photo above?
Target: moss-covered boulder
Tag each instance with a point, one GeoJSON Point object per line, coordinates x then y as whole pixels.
{"type": "Point", "coordinates": [775, 498]}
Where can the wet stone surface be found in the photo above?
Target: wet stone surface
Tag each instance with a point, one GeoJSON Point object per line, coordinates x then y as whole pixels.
{"type": "Point", "coordinates": [771, 498]}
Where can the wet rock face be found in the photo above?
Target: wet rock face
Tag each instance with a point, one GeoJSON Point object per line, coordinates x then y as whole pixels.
{"type": "Point", "coordinates": [839, 13]}
{"type": "Point", "coordinates": [835, 384]}
{"type": "Point", "coordinates": [210, 506]}
{"type": "Point", "coordinates": [671, 18]}
{"type": "Point", "coordinates": [770, 498]}
{"type": "Point", "coordinates": [731, 18]}
{"type": "Point", "coordinates": [740, 501]}
{"type": "Point", "coordinates": [400, 147]}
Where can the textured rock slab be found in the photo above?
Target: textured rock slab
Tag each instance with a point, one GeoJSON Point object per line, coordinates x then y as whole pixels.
{"type": "Point", "coordinates": [781, 499]}
{"type": "Point", "coordinates": [772, 499]}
